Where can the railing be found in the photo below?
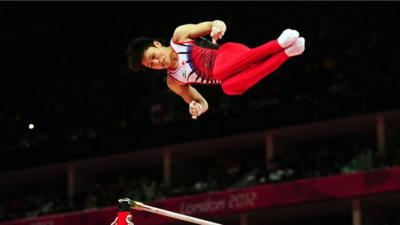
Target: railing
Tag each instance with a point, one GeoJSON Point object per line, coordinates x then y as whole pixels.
{"type": "Point", "coordinates": [355, 185]}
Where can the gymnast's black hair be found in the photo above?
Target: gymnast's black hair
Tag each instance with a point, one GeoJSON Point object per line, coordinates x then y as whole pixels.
{"type": "Point", "coordinates": [135, 51]}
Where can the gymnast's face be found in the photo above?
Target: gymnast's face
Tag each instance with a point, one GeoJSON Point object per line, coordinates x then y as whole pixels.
{"type": "Point", "coordinates": [156, 57]}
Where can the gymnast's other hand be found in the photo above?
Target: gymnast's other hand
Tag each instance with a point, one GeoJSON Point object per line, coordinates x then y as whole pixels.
{"type": "Point", "coordinates": [218, 30]}
{"type": "Point", "coordinates": [195, 109]}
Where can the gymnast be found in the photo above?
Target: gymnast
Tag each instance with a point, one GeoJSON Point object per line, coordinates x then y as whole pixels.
{"type": "Point", "coordinates": [191, 59]}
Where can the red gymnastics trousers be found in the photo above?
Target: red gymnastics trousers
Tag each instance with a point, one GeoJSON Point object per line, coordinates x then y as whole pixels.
{"type": "Point", "coordinates": [239, 67]}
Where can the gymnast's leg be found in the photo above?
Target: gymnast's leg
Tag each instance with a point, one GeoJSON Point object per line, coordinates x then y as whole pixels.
{"type": "Point", "coordinates": [239, 83]}
{"type": "Point", "coordinates": [233, 58]}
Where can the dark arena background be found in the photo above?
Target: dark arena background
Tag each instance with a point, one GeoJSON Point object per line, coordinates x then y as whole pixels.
{"type": "Point", "coordinates": [316, 142]}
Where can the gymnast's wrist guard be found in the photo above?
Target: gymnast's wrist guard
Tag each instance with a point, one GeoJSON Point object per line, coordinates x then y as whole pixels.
{"type": "Point", "coordinates": [124, 216]}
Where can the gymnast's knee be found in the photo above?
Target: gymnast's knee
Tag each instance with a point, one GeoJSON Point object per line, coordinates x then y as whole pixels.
{"type": "Point", "coordinates": [232, 90]}
{"type": "Point", "coordinates": [219, 74]}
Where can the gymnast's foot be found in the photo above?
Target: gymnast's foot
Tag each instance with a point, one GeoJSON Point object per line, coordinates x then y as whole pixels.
{"type": "Point", "coordinates": [297, 48]}
{"type": "Point", "coordinates": [288, 37]}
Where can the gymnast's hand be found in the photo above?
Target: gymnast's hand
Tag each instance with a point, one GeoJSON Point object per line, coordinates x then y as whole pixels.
{"type": "Point", "coordinates": [218, 30]}
{"type": "Point", "coordinates": [195, 109]}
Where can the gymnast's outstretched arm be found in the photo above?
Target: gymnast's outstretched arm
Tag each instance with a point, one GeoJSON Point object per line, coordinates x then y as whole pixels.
{"type": "Point", "coordinates": [197, 103]}
{"type": "Point", "coordinates": [216, 29]}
